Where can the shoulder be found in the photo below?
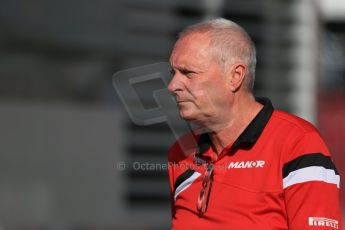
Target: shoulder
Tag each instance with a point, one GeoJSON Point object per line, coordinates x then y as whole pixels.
{"type": "Point", "coordinates": [291, 121]}
{"type": "Point", "coordinates": [300, 136]}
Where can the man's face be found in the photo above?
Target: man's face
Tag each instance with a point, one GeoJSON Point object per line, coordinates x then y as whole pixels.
{"type": "Point", "coordinates": [199, 84]}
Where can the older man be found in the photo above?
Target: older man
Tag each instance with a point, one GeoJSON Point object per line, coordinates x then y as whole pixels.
{"type": "Point", "coordinates": [255, 167]}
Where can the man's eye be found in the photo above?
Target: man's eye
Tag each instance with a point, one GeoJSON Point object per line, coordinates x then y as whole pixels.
{"type": "Point", "coordinates": [188, 73]}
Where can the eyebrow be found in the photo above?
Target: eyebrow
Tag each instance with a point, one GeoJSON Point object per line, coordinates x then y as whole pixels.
{"type": "Point", "coordinates": [185, 70]}
{"type": "Point", "coordinates": [182, 68]}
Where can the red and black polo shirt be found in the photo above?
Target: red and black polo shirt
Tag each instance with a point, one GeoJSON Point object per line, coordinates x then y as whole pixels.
{"type": "Point", "coordinates": [278, 174]}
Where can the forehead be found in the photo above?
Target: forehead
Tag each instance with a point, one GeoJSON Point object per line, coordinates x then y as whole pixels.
{"type": "Point", "coordinates": [191, 50]}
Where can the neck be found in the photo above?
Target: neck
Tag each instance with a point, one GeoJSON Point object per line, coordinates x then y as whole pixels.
{"type": "Point", "coordinates": [234, 122]}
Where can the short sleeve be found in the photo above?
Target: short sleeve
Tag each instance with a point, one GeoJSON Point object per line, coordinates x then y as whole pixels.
{"type": "Point", "coordinates": [311, 185]}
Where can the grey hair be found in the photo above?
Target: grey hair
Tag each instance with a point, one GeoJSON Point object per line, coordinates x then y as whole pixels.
{"type": "Point", "coordinates": [231, 43]}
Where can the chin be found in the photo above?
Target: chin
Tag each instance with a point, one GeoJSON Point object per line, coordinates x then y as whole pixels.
{"type": "Point", "coordinates": [195, 119]}
{"type": "Point", "coordinates": [187, 116]}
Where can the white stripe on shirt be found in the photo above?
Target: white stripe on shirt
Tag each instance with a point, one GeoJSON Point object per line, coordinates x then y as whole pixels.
{"type": "Point", "coordinates": [312, 173]}
{"type": "Point", "coordinates": [185, 184]}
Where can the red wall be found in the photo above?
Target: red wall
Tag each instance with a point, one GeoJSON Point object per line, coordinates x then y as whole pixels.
{"type": "Point", "coordinates": [331, 122]}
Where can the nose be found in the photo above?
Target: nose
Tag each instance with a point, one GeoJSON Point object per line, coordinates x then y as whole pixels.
{"type": "Point", "coordinates": [175, 84]}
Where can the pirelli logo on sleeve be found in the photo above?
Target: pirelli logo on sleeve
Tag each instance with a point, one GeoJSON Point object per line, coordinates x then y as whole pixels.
{"type": "Point", "coordinates": [310, 167]}
{"type": "Point", "coordinates": [321, 221]}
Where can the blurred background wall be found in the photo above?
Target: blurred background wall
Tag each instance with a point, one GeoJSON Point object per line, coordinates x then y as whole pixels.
{"type": "Point", "coordinates": [67, 145]}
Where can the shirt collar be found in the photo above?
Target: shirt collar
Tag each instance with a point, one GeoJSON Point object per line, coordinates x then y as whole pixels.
{"type": "Point", "coordinates": [249, 136]}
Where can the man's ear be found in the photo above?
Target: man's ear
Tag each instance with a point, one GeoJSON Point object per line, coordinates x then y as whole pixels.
{"type": "Point", "coordinates": [237, 76]}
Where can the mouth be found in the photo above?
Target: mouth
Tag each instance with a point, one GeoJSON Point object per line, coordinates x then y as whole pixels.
{"type": "Point", "coordinates": [180, 101]}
